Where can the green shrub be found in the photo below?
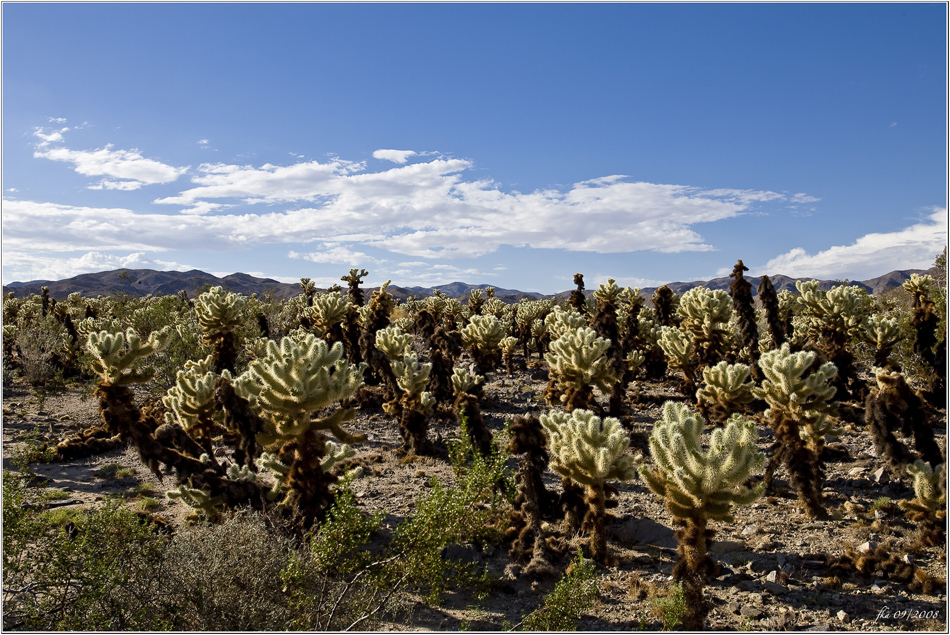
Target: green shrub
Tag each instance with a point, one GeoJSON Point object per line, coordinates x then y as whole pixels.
{"type": "Point", "coordinates": [573, 595]}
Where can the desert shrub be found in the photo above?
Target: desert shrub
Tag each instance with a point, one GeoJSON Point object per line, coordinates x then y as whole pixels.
{"type": "Point", "coordinates": [96, 571]}
{"type": "Point", "coordinates": [574, 594]}
{"type": "Point", "coordinates": [38, 343]}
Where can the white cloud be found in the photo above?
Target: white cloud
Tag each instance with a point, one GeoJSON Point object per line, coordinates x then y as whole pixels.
{"type": "Point", "coordinates": [335, 254]}
{"type": "Point", "coordinates": [396, 156]}
{"type": "Point", "coordinates": [127, 169]}
{"type": "Point", "coordinates": [872, 255]}
{"type": "Point", "coordinates": [202, 142]}
{"type": "Point", "coordinates": [56, 119]}
{"type": "Point", "coordinates": [803, 198]}
{"type": "Point", "coordinates": [47, 138]}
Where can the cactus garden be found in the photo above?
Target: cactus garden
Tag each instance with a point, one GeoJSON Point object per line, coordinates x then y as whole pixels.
{"type": "Point", "coordinates": [346, 460]}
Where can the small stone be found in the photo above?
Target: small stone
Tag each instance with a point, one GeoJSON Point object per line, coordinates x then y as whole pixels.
{"type": "Point", "coordinates": [772, 576]}
{"type": "Point", "coordinates": [750, 612]}
{"type": "Point", "coordinates": [909, 559]}
{"type": "Point", "coordinates": [880, 476]}
{"type": "Point", "coordinates": [748, 530]}
{"type": "Point", "coordinates": [780, 559]}
{"type": "Point", "coordinates": [843, 616]}
{"type": "Point", "coordinates": [774, 588]}
{"type": "Point", "coordinates": [856, 471]}
{"type": "Point", "coordinates": [734, 608]}
{"type": "Point", "coordinates": [42, 413]}
{"type": "Point", "coordinates": [867, 547]}
{"type": "Point", "coordinates": [879, 515]}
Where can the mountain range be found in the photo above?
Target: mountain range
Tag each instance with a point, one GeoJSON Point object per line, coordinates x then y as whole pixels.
{"type": "Point", "coordinates": [141, 282]}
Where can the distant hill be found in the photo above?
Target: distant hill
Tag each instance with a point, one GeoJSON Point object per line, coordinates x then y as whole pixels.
{"type": "Point", "coordinates": [142, 282]}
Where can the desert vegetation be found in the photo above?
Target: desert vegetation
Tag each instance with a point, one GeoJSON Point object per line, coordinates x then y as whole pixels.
{"type": "Point", "coordinates": [330, 462]}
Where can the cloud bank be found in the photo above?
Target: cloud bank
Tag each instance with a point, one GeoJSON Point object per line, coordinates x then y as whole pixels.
{"type": "Point", "coordinates": [915, 247]}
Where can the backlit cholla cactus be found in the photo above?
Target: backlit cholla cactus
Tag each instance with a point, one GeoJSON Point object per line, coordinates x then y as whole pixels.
{"type": "Point", "coordinates": [770, 304]}
{"type": "Point", "coordinates": [191, 402]}
{"type": "Point", "coordinates": [393, 342]}
{"type": "Point", "coordinates": [698, 486]}
{"type": "Point", "coordinates": [883, 333]}
{"type": "Point", "coordinates": [117, 360]}
{"type": "Point", "coordinates": [925, 322]}
{"type": "Point", "coordinates": [508, 345]}
{"type": "Point", "coordinates": [832, 318]}
{"type": "Point", "coordinates": [468, 393]}
{"type": "Point", "coordinates": [561, 321]}
{"type": "Point", "coordinates": [705, 314]}
{"type": "Point", "coordinates": [800, 410]}
{"type": "Point", "coordinates": [680, 353]}
{"type": "Point", "coordinates": [375, 318]}
{"type": "Point", "coordinates": [327, 313]}
{"type": "Point", "coordinates": [928, 509]}
{"type": "Point", "coordinates": [294, 381]}
{"type": "Point", "coordinates": [219, 314]}
{"type": "Point", "coordinates": [414, 403]}
{"type": "Point", "coordinates": [591, 451]}
{"type": "Point", "coordinates": [308, 289]}
{"type": "Point", "coordinates": [578, 363]}
{"type": "Point", "coordinates": [482, 336]}
{"type": "Point", "coordinates": [891, 407]}
{"type": "Point", "coordinates": [528, 313]}
{"type": "Point", "coordinates": [606, 323]}
{"type": "Point", "coordinates": [726, 389]}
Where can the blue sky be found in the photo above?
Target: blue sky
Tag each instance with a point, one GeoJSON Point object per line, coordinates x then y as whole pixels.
{"type": "Point", "coordinates": [508, 144]}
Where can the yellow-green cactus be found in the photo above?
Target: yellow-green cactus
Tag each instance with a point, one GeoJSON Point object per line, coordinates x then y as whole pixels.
{"type": "Point", "coordinates": [589, 450]}
{"type": "Point", "coordinates": [578, 363]}
{"type": "Point", "coordinates": [705, 315]}
{"type": "Point", "coordinates": [115, 355]}
{"type": "Point", "coordinates": [883, 333]}
{"type": "Point", "coordinates": [928, 509]}
{"type": "Point", "coordinates": [700, 485]}
{"type": "Point", "coordinates": [393, 342]}
{"type": "Point", "coordinates": [561, 321]}
{"type": "Point", "coordinates": [800, 410]}
{"type": "Point", "coordinates": [482, 336]}
{"type": "Point", "coordinates": [220, 314]}
{"type": "Point", "coordinates": [296, 380]}
{"type": "Point", "coordinates": [191, 402]}
{"type": "Point", "coordinates": [286, 388]}
{"type": "Point", "coordinates": [464, 381]}
{"type": "Point", "coordinates": [327, 313]}
{"type": "Point", "coordinates": [726, 388]}
{"type": "Point", "coordinates": [414, 405]}
{"type": "Point", "coordinates": [680, 353]}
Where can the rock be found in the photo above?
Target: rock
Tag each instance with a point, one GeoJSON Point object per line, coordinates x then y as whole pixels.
{"type": "Point", "coordinates": [856, 471]}
{"type": "Point", "coordinates": [772, 576]}
{"type": "Point", "coordinates": [908, 559]}
{"type": "Point", "coordinates": [721, 547]}
{"type": "Point", "coordinates": [774, 588]}
{"type": "Point", "coordinates": [750, 612]}
{"type": "Point", "coordinates": [867, 547]}
{"type": "Point", "coordinates": [843, 617]}
{"type": "Point", "coordinates": [748, 530]}
{"type": "Point", "coordinates": [823, 627]}
{"type": "Point", "coordinates": [746, 586]}
{"type": "Point", "coordinates": [880, 476]}
{"type": "Point", "coordinates": [733, 608]}
{"type": "Point", "coordinates": [644, 531]}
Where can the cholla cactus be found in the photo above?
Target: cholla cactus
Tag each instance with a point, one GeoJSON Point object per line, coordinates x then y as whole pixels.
{"type": "Point", "coordinates": [201, 500]}
{"type": "Point", "coordinates": [483, 336]}
{"type": "Point", "coordinates": [468, 393]}
{"type": "Point", "coordinates": [832, 319]}
{"type": "Point", "coordinates": [308, 289]}
{"type": "Point", "coordinates": [578, 363]}
{"type": "Point", "coordinates": [928, 509]}
{"type": "Point", "coordinates": [799, 411]}
{"type": "Point", "coordinates": [590, 451]}
{"type": "Point", "coordinates": [726, 389]}
{"type": "Point", "coordinates": [705, 315]}
{"type": "Point", "coordinates": [327, 312]}
{"type": "Point", "coordinates": [219, 314]}
{"type": "Point", "coordinates": [925, 322]}
{"type": "Point", "coordinates": [508, 346]}
{"type": "Point", "coordinates": [393, 342]}
{"type": "Point", "coordinates": [561, 321]}
{"type": "Point", "coordinates": [892, 406]}
{"type": "Point", "coordinates": [191, 402]}
{"type": "Point", "coordinates": [770, 304]}
{"type": "Point", "coordinates": [680, 354]}
{"type": "Point", "coordinates": [530, 314]}
{"type": "Point", "coordinates": [699, 486]}
{"type": "Point", "coordinates": [115, 355]}
{"type": "Point", "coordinates": [285, 388]}
{"type": "Point", "coordinates": [883, 333]}
{"type": "Point", "coordinates": [414, 404]}
{"type": "Point", "coordinates": [377, 312]}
